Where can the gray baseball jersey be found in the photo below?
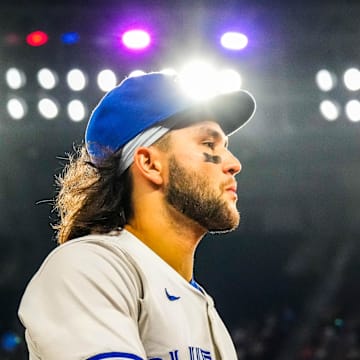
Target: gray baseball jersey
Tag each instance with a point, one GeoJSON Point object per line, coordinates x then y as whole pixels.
{"type": "Point", "coordinates": [112, 297]}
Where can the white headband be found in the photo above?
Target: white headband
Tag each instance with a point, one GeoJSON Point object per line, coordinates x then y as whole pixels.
{"type": "Point", "coordinates": [145, 138]}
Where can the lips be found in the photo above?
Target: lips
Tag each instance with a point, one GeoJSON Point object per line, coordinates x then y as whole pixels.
{"type": "Point", "coordinates": [231, 189]}
{"type": "Point", "coordinates": [230, 186]}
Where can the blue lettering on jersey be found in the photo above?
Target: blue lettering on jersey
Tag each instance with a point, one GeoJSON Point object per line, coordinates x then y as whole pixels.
{"type": "Point", "coordinates": [199, 354]}
{"type": "Point", "coordinates": [174, 355]}
{"type": "Point", "coordinates": [195, 353]}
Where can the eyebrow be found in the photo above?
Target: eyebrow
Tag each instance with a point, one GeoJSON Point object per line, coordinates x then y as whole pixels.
{"type": "Point", "coordinates": [216, 135]}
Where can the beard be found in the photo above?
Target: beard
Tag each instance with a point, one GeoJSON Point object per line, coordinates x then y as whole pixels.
{"type": "Point", "coordinates": [192, 195]}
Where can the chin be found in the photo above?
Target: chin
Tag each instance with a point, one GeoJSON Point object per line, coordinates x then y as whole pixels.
{"type": "Point", "coordinates": [229, 226]}
{"type": "Point", "coordinates": [221, 231]}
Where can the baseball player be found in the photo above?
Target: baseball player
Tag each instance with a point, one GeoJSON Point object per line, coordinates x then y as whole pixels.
{"type": "Point", "coordinates": [154, 176]}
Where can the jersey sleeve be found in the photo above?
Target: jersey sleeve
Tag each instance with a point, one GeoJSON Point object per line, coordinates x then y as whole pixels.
{"type": "Point", "coordinates": [84, 304]}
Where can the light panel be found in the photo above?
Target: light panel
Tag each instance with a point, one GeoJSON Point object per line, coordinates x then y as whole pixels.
{"type": "Point", "coordinates": [48, 108]}
{"type": "Point", "coordinates": [15, 78]}
{"type": "Point", "coordinates": [352, 110]}
{"type": "Point", "coordinates": [330, 110]}
{"type": "Point", "coordinates": [136, 39]}
{"type": "Point", "coordinates": [76, 80]}
{"type": "Point", "coordinates": [106, 80]}
{"type": "Point", "coordinates": [325, 80]}
{"type": "Point", "coordinates": [76, 110]}
{"type": "Point", "coordinates": [17, 108]}
{"type": "Point", "coordinates": [352, 79]}
{"type": "Point", "coordinates": [234, 40]}
{"type": "Point", "coordinates": [47, 78]}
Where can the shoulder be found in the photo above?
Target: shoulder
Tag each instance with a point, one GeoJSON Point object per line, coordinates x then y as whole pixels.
{"type": "Point", "coordinates": [84, 287]}
{"type": "Point", "coordinates": [87, 264]}
{"type": "Point", "coordinates": [92, 256]}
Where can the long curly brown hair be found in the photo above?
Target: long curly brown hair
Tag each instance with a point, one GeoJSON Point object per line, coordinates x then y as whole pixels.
{"type": "Point", "coordinates": [94, 199]}
{"type": "Point", "coordinates": [91, 199]}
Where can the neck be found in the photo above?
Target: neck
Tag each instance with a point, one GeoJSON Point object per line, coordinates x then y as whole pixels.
{"type": "Point", "coordinates": [174, 241]}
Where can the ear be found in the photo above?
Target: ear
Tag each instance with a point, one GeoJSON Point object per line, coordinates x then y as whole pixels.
{"type": "Point", "coordinates": [148, 162]}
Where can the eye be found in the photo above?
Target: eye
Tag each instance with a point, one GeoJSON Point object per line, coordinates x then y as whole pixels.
{"type": "Point", "coordinates": [209, 144]}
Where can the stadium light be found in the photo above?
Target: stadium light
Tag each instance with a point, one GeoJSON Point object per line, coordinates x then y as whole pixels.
{"type": "Point", "coordinates": [234, 40]}
{"type": "Point", "coordinates": [198, 79]}
{"type": "Point", "coordinates": [17, 108]}
{"type": "Point", "coordinates": [106, 80]}
{"type": "Point", "coordinates": [76, 110]}
{"type": "Point", "coordinates": [37, 38]}
{"type": "Point", "coordinates": [325, 80]}
{"type": "Point", "coordinates": [136, 39]}
{"type": "Point", "coordinates": [228, 80]}
{"type": "Point", "coordinates": [15, 78]}
{"type": "Point", "coordinates": [168, 71]}
{"type": "Point", "coordinates": [47, 78]}
{"type": "Point", "coordinates": [76, 79]}
{"type": "Point", "coordinates": [352, 110]}
{"type": "Point", "coordinates": [70, 38]}
{"type": "Point", "coordinates": [48, 108]}
{"type": "Point", "coordinates": [352, 79]}
{"type": "Point", "coordinates": [330, 110]}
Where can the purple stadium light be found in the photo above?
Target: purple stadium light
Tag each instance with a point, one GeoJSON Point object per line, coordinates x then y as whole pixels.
{"type": "Point", "coordinates": [136, 39]}
{"type": "Point", "coordinates": [234, 41]}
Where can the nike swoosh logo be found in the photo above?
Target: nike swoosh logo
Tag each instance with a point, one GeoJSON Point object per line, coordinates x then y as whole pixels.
{"type": "Point", "coordinates": [171, 297]}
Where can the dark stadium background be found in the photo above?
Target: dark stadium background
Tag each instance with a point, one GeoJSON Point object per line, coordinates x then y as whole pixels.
{"type": "Point", "coordinates": [286, 282]}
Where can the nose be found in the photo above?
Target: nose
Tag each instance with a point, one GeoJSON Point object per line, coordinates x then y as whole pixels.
{"type": "Point", "coordinates": [231, 164]}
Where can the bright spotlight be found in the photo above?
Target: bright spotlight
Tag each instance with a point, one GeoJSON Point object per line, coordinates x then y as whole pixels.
{"type": "Point", "coordinates": [352, 110]}
{"type": "Point", "coordinates": [76, 110]}
{"type": "Point", "coordinates": [16, 108]}
{"type": "Point", "coordinates": [47, 78]}
{"type": "Point", "coordinates": [168, 71]}
{"type": "Point", "coordinates": [48, 108]}
{"type": "Point", "coordinates": [106, 80]}
{"type": "Point", "coordinates": [234, 40]}
{"type": "Point", "coordinates": [136, 39]}
{"type": "Point", "coordinates": [228, 80]}
{"type": "Point", "coordinates": [198, 79]}
{"type": "Point", "coordinates": [330, 110]}
{"type": "Point", "coordinates": [15, 78]}
{"type": "Point", "coordinates": [135, 73]}
{"type": "Point", "coordinates": [352, 79]}
{"type": "Point", "coordinates": [325, 80]}
{"type": "Point", "coordinates": [76, 80]}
